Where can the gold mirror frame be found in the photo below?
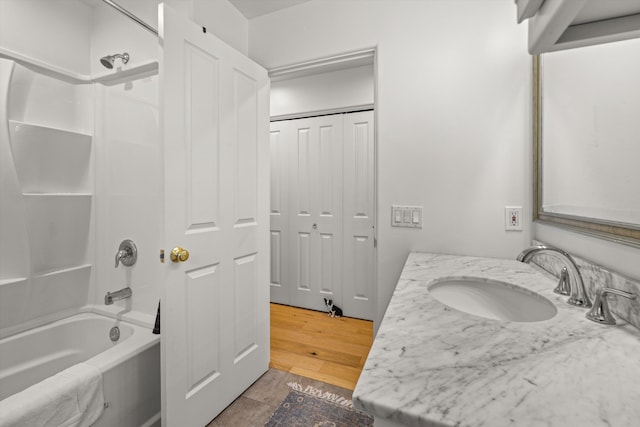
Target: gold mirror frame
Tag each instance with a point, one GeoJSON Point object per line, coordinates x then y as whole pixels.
{"type": "Point", "coordinates": [620, 233]}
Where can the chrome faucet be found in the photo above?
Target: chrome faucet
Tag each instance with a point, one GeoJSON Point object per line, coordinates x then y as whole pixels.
{"type": "Point", "coordinates": [127, 253]}
{"type": "Point", "coordinates": [117, 295]}
{"type": "Point", "coordinates": [578, 295]}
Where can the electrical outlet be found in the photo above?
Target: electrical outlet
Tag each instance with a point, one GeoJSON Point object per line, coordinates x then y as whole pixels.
{"type": "Point", "coordinates": [513, 218]}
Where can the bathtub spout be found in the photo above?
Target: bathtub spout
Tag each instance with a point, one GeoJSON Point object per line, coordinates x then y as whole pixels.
{"type": "Point", "coordinates": [117, 295]}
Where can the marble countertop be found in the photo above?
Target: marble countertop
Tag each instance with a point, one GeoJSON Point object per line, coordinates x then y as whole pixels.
{"type": "Point", "coordinates": [431, 365]}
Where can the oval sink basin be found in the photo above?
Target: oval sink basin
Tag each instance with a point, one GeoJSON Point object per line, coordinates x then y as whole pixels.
{"type": "Point", "coordinates": [493, 300]}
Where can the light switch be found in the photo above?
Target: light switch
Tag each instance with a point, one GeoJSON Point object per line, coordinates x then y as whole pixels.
{"type": "Point", "coordinates": [397, 215]}
{"type": "Point", "coordinates": [406, 216]}
{"type": "Point", "coordinates": [415, 216]}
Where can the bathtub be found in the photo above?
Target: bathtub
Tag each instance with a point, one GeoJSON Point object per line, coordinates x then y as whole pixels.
{"type": "Point", "coordinates": [130, 366]}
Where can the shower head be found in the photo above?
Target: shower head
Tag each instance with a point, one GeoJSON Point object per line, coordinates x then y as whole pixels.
{"type": "Point", "coordinates": [108, 60]}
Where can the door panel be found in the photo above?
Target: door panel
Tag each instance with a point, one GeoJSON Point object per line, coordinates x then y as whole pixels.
{"type": "Point", "coordinates": [215, 318]}
{"type": "Point", "coordinates": [246, 273]}
{"type": "Point", "coordinates": [280, 212]}
{"type": "Point", "coordinates": [359, 253]}
{"type": "Point", "coordinates": [245, 100]}
{"type": "Point", "coordinates": [203, 361]}
{"type": "Point", "coordinates": [316, 194]}
{"type": "Point", "coordinates": [303, 257]}
{"type": "Point", "coordinates": [328, 251]}
{"type": "Point", "coordinates": [303, 171]}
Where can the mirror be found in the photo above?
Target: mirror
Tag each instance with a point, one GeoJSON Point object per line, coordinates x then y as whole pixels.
{"type": "Point", "coordinates": [587, 140]}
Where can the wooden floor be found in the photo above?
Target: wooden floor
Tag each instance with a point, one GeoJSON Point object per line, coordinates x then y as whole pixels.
{"type": "Point", "coordinates": [313, 345]}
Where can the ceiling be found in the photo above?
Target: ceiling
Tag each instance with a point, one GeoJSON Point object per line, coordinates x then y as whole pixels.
{"type": "Point", "coordinates": [253, 8]}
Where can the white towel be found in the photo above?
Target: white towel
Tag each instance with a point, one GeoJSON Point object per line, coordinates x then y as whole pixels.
{"type": "Point", "coordinates": [72, 397]}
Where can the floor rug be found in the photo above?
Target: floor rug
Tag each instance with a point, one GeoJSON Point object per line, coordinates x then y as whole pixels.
{"type": "Point", "coordinates": [311, 407]}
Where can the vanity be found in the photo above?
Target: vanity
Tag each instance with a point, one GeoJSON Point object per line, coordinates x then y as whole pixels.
{"type": "Point", "coordinates": [432, 365]}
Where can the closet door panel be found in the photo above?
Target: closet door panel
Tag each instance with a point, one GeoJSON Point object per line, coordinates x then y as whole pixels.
{"type": "Point", "coordinates": [280, 137]}
{"type": "Point", "coordinates": [359, 221]}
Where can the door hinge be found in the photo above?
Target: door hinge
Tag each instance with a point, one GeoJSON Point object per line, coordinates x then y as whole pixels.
{"type": "Point", "coordinates": [375, 242]}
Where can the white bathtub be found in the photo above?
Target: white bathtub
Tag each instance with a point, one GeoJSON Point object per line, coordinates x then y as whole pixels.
{"type": "Point", "coordinates": [130, 366]}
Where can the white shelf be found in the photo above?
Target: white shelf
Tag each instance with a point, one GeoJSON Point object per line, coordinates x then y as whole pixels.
{"type": "Point", "coordinates": [12, 280]}
{"type": "Point", "coordinates": [50, 160]}
{"type": "Point", "coordinates": [126, 72]}
{"type": "Point", "coordinates": [63, 271]}
{"type": "Point", "coordinates": [31, 194]}
{"type": "Point", "coordinates": [13, 123]}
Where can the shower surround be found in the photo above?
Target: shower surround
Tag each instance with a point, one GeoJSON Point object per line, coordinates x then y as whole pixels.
{"type": "Point", "coordinates": [81, 171]}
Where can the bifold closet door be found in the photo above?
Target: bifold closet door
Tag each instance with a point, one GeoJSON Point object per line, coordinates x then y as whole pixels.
{"type": "Point", "coordinates": [315, 223]}
{"type": "Point", "coordinates": [358, 218]}
{"type": "Point", "coordinates": [280, 140]}
{"type": "Point", "coordinates": [322, 212]}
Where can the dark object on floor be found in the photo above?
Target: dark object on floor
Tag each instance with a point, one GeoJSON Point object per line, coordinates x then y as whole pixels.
{"type": "Point", "coordinates": [312, 407]}
{"type": "Point", "coordinates": [334, 310]}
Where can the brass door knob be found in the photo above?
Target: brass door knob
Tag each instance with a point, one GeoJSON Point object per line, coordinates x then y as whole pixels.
{"type": "Point", "coordinates": [179, 254]}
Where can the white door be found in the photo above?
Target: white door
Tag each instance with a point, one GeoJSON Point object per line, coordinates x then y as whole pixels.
{"type": "Point", "coordinates": [215, 304]}
{"type": "Point", "coordinates": [359, 201]}
{"type": "Point", "coordinates": [280, 212]}
{"type": "Point", "coordinates": [315, 225]}
{"type": "Point", "coordinates": [324, 210]}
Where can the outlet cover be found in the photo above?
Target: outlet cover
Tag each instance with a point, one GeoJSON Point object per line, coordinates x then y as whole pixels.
{"type": "Point", "coordinates": [513, 218]}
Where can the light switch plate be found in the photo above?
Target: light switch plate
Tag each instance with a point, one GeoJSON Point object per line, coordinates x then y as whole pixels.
{"type": "Point", "coordinates": [406, 216]}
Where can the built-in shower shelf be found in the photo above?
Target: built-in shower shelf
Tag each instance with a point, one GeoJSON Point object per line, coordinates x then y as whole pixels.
{"type": "Point", "coordinates": [17, 123]}
{"type": "Point", "coordinates": [124, 72]}
{"type": "Point", "coordinates": [12, 280]}
{"type": "Point", "coordinates": [50, 160]}
{"type": "Point", "coordinates": [57, 194]}
{"type": "Point", "coordinates": [127, 72]}
{"type": "Point", "coordinates": [63, 271]}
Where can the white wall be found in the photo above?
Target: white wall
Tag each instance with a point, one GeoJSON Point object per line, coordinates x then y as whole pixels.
{"type": "Point", "coordinates": [219, 17]}
{"type": "Point", "coordinates": [129, 160]}
{"type": "Point", "coordinates": [56, 32]}
{"type": "Point", "coordinates": [453, 114]}
{"type": "Point", "coordinates": [129, 191]}
{"type": "Point", "coordinates": [324, 91]}
{"type": "Point", "coordinates": [112, 32]}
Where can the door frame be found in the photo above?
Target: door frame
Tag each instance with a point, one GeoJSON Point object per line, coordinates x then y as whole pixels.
{"type": "Point", "coordinates": [332, 63]}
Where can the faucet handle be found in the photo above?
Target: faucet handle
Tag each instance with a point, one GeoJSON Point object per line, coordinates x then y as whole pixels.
{"type": "Point", "coordinates": [564, 286]}
{"type": "Point", "coordinates": [600, 312]}
{"type": "Point", "coordinates": [127, 253]}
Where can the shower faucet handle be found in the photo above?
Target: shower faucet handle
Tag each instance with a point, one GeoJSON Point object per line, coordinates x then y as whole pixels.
{"type": "Point", "coordinates": [127, 253]}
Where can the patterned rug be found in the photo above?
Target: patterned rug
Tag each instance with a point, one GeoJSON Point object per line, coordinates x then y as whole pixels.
{"type": "Point", "coordinates": [311, 407]}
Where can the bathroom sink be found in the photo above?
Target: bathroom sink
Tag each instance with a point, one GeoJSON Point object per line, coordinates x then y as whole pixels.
{"type": "Point", "coordinates": [493, 299]}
